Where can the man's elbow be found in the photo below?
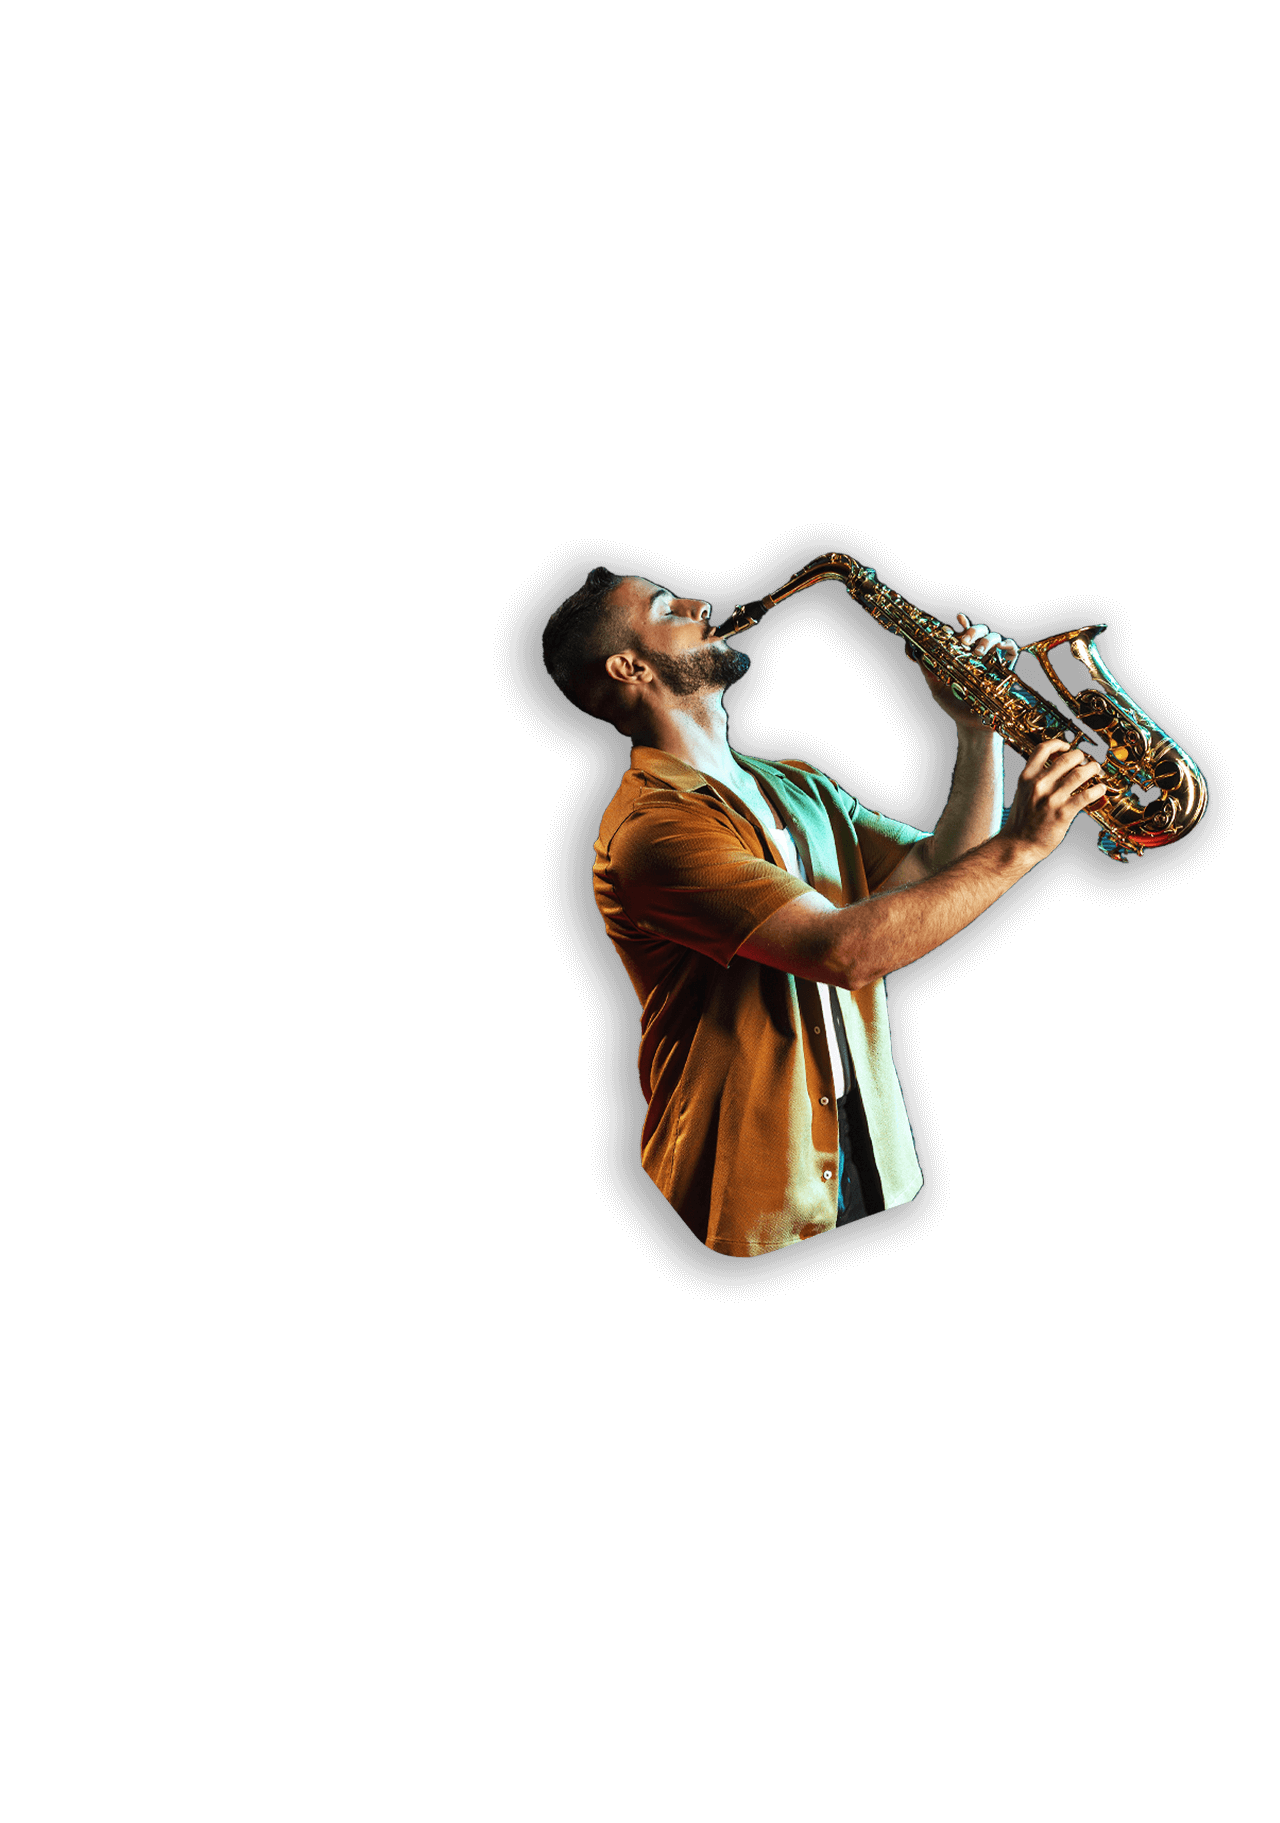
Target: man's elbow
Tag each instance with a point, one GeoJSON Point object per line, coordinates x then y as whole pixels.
{"type": "Point", "coordinates": [920, 862]}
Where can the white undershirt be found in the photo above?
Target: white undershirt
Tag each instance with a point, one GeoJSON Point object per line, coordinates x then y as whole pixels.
{"type": "Point", "coordinates": [790, 859]}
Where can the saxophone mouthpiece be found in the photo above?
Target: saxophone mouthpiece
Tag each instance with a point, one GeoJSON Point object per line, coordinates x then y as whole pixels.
{"type": "Point", "coordinates": [747, 614]}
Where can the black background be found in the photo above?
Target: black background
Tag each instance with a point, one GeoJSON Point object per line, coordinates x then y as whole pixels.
{"type": "Point", "coordinates": [1058, 1056]}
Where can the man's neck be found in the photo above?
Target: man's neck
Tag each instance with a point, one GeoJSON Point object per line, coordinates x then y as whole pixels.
{"type": "Point", "coordinates": [719, 764]}
{"type": "Point", "coordinates": [698, 734]}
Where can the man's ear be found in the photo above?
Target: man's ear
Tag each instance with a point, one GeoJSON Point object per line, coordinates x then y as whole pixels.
{"type": "Point", "coordinates": [625, 668]}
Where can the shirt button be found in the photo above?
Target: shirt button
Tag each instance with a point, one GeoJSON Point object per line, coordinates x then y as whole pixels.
{"type": "Point", "coordinates": [826, 1174]}
{"type": "Point", "coordinates": [817, 1028]}
{"type": "Point", "coordinates": [824, 1099]}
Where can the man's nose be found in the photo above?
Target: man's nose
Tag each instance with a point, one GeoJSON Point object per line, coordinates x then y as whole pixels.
{"type": "Point", "coordinates": [696, 610]}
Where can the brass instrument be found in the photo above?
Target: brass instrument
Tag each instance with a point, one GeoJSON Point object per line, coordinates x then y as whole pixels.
{"type": "Point", "coordinates": [1155, 791]}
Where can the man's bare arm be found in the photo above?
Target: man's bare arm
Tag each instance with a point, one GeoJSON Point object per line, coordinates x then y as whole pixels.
{"type": "Point", "coordinates": [854, 945]}
{"type": "Point", "coordinates": [876, 936]}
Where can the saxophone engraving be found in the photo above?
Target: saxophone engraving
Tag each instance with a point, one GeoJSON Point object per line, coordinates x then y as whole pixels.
{"type": "Point", "coordinates": [1155, 791]}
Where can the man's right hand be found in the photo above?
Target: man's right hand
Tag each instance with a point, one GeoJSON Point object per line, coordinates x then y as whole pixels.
{"type": "Point", "coordinates": [1057, 783]}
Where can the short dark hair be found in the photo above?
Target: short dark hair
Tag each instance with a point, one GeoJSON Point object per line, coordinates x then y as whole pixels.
{"type": "Point", "coordinates": [578, 635]}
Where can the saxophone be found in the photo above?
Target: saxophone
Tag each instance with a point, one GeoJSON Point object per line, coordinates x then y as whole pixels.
{"type": "Point", "coordinates": [1155, 792]}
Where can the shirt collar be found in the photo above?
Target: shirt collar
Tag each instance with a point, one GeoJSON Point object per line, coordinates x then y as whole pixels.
{"type": "Point", "coordinates": [665, 766]}
{"type": "Point", "coordinates": [656, 763]}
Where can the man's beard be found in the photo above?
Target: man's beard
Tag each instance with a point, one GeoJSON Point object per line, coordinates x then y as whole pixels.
{"type": "Point", "coordinates": [709, 667]}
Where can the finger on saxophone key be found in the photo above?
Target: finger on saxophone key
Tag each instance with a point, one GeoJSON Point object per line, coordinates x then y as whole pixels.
{"type": "Point", "coordinates": [1039, 756]}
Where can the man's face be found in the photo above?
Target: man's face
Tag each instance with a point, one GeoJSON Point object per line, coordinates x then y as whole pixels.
{"type": "Point", "coordinates": [672, 634]}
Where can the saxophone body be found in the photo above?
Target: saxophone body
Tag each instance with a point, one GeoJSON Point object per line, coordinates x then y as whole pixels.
{"type": "Point", "coordinates": [1155, 791]}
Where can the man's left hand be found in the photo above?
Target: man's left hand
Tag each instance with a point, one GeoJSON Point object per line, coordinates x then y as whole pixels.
{"type": "Point", "coordinates": [979, 640]}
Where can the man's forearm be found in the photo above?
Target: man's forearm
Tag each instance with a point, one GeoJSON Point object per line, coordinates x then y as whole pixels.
{"type": "Point", "coordinates": [877, 935]}
{"type": "Point", "coordinates": [975, 801]}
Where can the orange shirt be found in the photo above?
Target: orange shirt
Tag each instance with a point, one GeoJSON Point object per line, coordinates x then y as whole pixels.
{"type": "Point", "coordinates": [741, 1132]}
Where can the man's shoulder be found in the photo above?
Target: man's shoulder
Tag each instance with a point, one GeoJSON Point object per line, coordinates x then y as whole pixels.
{"type": "Point", "coordinates": [643, 798]}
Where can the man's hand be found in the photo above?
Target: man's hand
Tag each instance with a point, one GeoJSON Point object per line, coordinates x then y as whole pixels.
{"type": "Point", "coordinates": [1056, 784]}
{"type": "Point", "coordinates": [978, 640]}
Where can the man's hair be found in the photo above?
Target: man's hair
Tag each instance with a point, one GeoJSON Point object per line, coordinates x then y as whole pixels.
{"type": "Point", "coordinates": [579, 635]}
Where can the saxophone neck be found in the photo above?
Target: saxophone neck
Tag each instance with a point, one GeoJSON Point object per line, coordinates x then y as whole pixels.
{"type": "Point", "coordinates": [835, 566]}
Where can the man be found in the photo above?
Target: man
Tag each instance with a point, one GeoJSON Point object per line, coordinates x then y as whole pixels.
{"type": "Point", "coordinates": [758, 907]}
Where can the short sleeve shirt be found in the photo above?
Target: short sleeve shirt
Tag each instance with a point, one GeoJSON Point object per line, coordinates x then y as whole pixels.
{"type": "Point", "coordinates": [741, 1132]}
